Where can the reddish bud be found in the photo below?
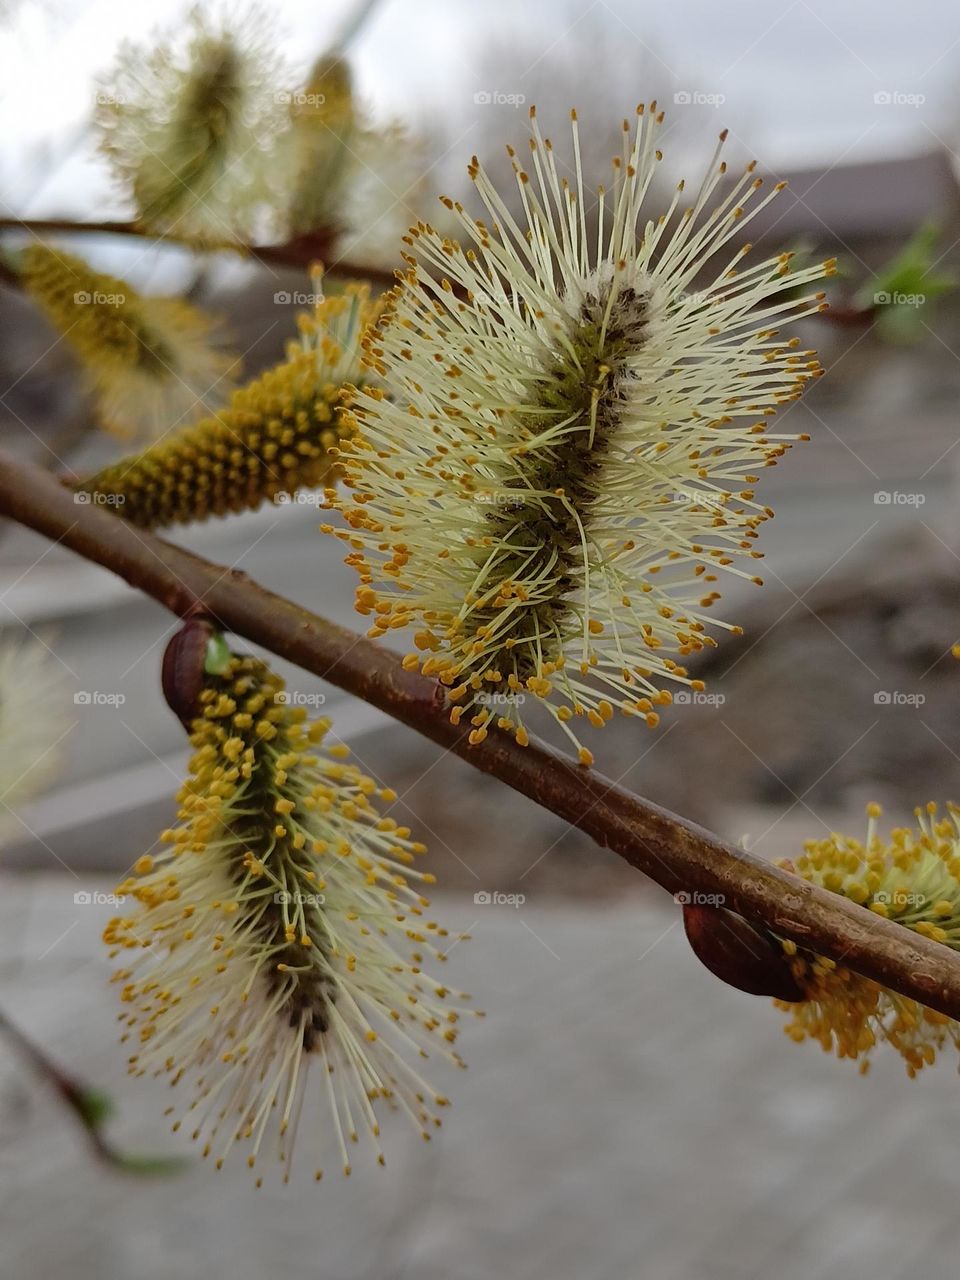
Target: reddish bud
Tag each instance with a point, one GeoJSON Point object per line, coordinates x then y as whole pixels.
{"type": "Point", "coordinates": [740, 954]}
{"type": "Point", "coordinates": [182, 675]}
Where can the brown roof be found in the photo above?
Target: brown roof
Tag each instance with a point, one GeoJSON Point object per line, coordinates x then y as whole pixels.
{"type": "Point", "coordinates": [880, 198]}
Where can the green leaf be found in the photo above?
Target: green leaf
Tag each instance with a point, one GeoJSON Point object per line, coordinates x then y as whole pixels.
{"type": "Point", "coordinates": [901, 292]}
{"type": "Point", "coordinates": [93, 1106]}
{"type": "Point", "coordinates": [150, 1166]}
{"type": "Point", "coordinates": [218, 655]}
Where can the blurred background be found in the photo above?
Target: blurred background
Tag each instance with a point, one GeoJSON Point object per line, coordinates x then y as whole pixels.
{"type": "Point", "coordinates": [624, 1114]}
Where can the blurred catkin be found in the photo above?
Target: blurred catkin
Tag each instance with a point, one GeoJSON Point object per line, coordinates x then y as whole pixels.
{"type": "Point", "coordinates": [190, 122]}
{"type": "Point", "coordinates": [149, 360]}
{"type": "Point", "coordinates": [351, 176]}
{"type": "Point", "coordinates": [273, 438]}
{"type": "Point", "coordinates": [323, 123]}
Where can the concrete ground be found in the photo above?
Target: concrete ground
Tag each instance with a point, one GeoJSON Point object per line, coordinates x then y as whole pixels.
{"type": "Point", "coordinates": [624, 1116]}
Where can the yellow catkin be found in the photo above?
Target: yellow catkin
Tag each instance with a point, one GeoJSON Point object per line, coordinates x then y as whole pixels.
{"type": "Point", "coordinates": [912, 878]}
{"type": "Point", "coordinates": [278, 434]}
{"type": "Point", "coordinates": [149, 361]}
{"type": "Point", "coordinates": [192, 124]}
{"type": "Point", "coordinates": [281, 927]}
{"type": "Point", "coordinates": [323, 121]}
{"type": "Point", "coordinates": [566, 445]}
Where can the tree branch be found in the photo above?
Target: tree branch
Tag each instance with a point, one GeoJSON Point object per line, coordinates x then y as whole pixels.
{"type": "Point", "coordinates": [87, 1105]}
{"type": "Point", "coordinates": [90, 1107]}
{"type": "Point", "coordinates": [300, 252]}
{"type": "Point", "coordinates": [677, 854]}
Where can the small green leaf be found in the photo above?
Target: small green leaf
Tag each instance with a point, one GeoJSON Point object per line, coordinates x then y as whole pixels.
{"type": "Point", "coordinates": [218, 655]}
{"type": "Point", "coordinates": [900, 293]}
{"type": "Point", "coordinates": [93, 1106]}
{"type": "Point", "coordinates": [150, 1166]}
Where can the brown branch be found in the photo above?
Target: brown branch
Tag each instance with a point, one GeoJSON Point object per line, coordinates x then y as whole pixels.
{"type": "Point", "coordinates": [90, 1107]}
{"type": "Point", "coordinates": [77, 1097]}
{"type": "Point", "coordinates": [299, 252]}
{"type": "Point", "coordinates": [675, 853]}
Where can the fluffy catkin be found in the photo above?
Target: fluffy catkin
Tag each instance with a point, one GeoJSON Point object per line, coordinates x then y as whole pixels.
{"type": "Point", "coordinates": [273, 438]}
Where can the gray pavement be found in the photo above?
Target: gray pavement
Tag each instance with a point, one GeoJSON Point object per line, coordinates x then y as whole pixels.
{"type": "Point", "coordinates": [624, 1117]}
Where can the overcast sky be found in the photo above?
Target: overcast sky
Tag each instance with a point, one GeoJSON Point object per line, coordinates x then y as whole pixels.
{"type": "Point", "coordinates": [795, 81]}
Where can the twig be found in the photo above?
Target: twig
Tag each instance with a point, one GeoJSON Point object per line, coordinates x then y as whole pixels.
{"type": "Point", "coordinates": [90, 1106]}
{"type": "Point", "coordinates": [300, 252]}
{"type": "Point", "coordinates": [677, 854]}
{"type": "Point", "coordinates": [76, 1096]}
